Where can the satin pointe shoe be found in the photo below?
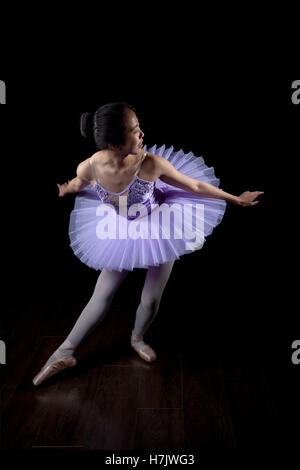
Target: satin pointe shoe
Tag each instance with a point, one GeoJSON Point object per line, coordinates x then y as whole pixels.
{"type": "Point", "coordinates": [144, 350]}
{"type": "Point", "coordinates": [53, 368]}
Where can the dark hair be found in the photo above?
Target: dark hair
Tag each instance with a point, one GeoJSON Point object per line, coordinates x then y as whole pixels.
{"type": "Point", "coordinates": [106, 125]}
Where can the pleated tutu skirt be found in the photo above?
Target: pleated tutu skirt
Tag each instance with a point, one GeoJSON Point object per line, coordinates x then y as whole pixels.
{"type": "Point", "coordinates": [177, 222]}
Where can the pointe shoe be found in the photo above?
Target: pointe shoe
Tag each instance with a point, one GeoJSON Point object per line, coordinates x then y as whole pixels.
{"type": "Point", "coordinates": [53, 368]}
{"type": "Point", "coordinates": [145, 352]}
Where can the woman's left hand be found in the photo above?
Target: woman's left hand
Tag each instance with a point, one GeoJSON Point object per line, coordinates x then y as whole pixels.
{"type": "Point", "coordinates": [248, 198]}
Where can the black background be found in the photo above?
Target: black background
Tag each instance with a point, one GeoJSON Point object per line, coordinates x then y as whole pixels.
{"type": "Point", "coordinates": [238, 291]}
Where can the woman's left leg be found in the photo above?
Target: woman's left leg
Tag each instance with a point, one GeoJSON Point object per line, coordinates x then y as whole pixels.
{"type": "Point", "coordinates": [155, 283]}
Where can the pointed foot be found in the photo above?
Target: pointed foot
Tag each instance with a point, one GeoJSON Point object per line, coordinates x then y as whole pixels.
{"type": "Point", "coordinates": [51, 369]}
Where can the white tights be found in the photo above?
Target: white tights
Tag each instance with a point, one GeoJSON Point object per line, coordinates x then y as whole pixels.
{"type": "Point", "coordinates": [98, 305]}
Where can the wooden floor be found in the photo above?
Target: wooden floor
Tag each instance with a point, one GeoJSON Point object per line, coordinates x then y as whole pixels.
{"type": "Point", "coordinates": [194, 396]}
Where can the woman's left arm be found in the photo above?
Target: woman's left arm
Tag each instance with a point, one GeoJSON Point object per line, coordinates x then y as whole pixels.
{"type": "Point", "coordinates": [171, 176]}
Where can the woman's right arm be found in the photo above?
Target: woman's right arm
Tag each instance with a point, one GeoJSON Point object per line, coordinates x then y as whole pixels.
{"type": "Point", "coordinates": [76, 184]}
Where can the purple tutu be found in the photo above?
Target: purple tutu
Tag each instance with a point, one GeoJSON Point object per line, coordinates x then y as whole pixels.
{"type": "Point", "coordinates": [148, 223]}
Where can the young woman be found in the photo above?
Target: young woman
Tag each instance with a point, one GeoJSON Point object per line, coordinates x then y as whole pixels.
{"type": "Point", "coordinates": [135, 208]}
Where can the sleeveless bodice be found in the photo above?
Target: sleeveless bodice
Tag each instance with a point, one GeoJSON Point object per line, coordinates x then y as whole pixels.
{"type": "Point", "coordinates": [138, 191]}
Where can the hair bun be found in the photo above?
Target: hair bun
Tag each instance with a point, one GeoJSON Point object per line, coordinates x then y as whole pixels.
{"type": "Point", "coordinates": [87, 125]}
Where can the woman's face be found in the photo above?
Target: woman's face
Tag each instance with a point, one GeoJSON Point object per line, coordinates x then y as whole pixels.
{"type": "Point", "coordinates": [133, 134]}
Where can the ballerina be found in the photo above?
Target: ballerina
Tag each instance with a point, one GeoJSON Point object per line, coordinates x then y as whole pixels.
{"type": "Point", "coordinates": [124, 174]}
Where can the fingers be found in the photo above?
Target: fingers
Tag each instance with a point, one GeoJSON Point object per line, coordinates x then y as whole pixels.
{"type": "Point", "coordinates": [255, 195]}
{"type": "Point", "coordinates": [249, 197]}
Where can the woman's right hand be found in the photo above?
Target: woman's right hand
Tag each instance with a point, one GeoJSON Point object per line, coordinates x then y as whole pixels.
{"type": "Point", "coordinates": [63, 189]}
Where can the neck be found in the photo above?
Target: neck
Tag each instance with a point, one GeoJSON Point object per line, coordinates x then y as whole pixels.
{"type": "Point", "coordinates": [118, 159]}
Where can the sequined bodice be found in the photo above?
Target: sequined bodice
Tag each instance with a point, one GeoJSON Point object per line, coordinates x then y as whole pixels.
{"type": "Point", "coordinates": [138, 191]}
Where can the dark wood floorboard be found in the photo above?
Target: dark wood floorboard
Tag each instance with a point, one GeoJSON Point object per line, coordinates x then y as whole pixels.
{"type": "Point", "coordinates": [191, 398]}
{"type": "Point", "coordinates": [23, 340]}
{"type": "Point", "coordinates": [253, 411]}
{"type": "Point", "coordinates": [207, 415]}
{"type": "Point", "coordinates": [159, 429]}
{"type": "Point", "coordinates": [95, 411]}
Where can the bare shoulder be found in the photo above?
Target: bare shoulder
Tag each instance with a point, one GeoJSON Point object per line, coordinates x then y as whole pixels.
{"type": "Point", "coordinates": [84, 171]}
{"type": "Point", "coordinates": [151, 166]}
{"type": "Point", "coordinates": [156, 162]}
{"type": "Point", "coordinates": [155, 159]}
{"type": "Point", "coordinates": [170, 175]}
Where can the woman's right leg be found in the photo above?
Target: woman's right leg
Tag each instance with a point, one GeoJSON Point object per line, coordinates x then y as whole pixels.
{"type": "Point", "coordinates": [93, 313]}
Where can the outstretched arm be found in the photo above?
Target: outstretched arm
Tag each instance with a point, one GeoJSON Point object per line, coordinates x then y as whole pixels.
{"type": "Point", "coordinates": [171, 176]}
{"type": "Point", "coordinates": [76, 184]}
